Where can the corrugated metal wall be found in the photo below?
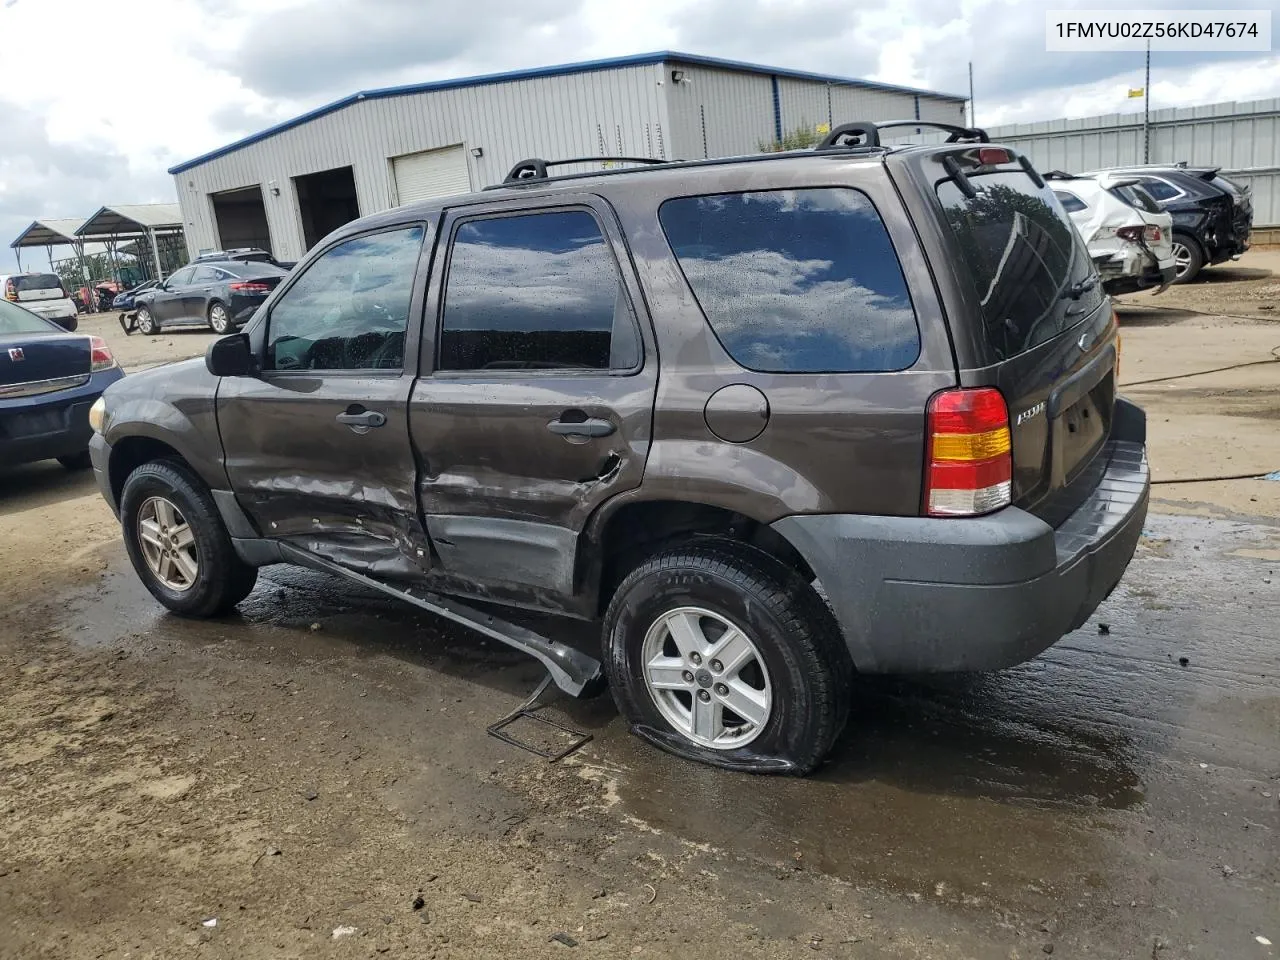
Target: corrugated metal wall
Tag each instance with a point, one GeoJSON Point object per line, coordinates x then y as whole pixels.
{"type": "Point", "coordinates": [737, 109]}
{"type": "Point", "coordinates": [1242, 138]}
{"type": "Point", "coordinates": [615, 112]}
{"type": "Point", "coordinates": [627, 111]}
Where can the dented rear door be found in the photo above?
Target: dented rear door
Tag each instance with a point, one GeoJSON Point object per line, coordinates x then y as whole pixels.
{"type": "Point", "coordinates": [317, 444]}
{"type": "Point", "coordinates": [539, 401]}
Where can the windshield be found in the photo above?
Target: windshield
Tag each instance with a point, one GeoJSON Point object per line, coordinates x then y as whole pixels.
{"type": "Point", "coordinates": [14, 319]}
{"type": "Point", "coordinates": [1030, 271]}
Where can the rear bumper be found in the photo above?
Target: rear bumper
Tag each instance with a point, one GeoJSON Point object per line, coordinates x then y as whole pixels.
{"type": "Point", "coordinates": [66, 431]}
{"type": "Point", "coordinates": [922, 595]}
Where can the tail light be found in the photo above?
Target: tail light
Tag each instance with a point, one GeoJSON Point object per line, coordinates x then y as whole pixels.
{"type": "Point", "coordinates": [101, 355]}
{"type": "Point", "coordinates": [1150, 233]}
{"type": "Point", "coordinates": [970, 467]}
{"type": "Point", "coordinates": [249, 287]}
{"type": "Point", "coordinates": [10, 291]}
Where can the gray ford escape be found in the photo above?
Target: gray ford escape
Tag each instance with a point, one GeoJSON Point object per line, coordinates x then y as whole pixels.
{"type": "Point", "coordinates": [770, 420]}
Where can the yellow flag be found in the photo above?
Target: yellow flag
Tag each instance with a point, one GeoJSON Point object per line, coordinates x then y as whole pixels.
{"type": "Point", "coordinates": [1136, 92]}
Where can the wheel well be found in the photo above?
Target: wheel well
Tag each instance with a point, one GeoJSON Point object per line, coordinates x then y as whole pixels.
{"type": "Point", "coordinates": [132, 452]}
{"type": "Point", "coordinates": [639, 530]}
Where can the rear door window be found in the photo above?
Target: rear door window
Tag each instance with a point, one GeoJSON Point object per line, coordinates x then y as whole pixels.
{"type": "Point", "coordinates": [796, 281]}
{"type": "Point", "coordinates": [1026, 261]}
{"type": "Point", "coordinates": [539, 291]}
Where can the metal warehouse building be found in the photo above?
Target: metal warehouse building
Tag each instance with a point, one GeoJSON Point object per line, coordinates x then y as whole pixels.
{"type": "Point", "coordinates": [286, 187]}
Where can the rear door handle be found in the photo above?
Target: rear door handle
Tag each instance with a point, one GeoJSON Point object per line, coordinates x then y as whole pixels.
{"type": "Point", "coordinates": [580, 428]}
{"type": "Point", "coordinates": [361, 420]}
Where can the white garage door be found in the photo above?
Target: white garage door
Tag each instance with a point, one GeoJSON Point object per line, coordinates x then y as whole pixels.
{"type": "Point", "coordinates": [431, 173]}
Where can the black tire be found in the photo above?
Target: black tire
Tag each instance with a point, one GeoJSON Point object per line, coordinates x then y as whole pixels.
{"type": "Point", "coordinates": [1195, 257]}
{"type": "Point", "coordinates": [147, 322]}
{"type": "Point", "coordinates": [798, 640]}
{"type": "Point", "coordinates": [222, 578]}
{"type": "Point", "coordinates": [219, 318]}
{"type": "Point", "coordinates": [77, 461]}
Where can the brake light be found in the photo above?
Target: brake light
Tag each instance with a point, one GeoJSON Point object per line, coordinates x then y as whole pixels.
{"type": "Point", "coordinates": [101, 358]}
{"type": "Point", "coordinates": [1152, 233]}
{"type": "Point", "coordinates": [10, 291]}
{"type": "Point", "coordinates": [989, 156]}
{"type": "Point", "coordinates": [249, 287]}
{"type": "Point", "coordinates": [1132, 234]}
{"type": "Point", "coordinates": [969, 464]}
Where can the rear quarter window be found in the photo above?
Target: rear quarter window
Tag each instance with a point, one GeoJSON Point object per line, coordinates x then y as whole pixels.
{"type": "Point", "coordinates": [796, 281]}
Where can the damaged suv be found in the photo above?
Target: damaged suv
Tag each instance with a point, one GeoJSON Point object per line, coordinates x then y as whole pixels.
{"type": "Point", "coordinates": [768, 420]}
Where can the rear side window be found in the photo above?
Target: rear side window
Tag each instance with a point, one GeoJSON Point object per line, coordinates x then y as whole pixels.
{"type": "Point", "coordinates": [1070, 202]}
{"type": "Point", "coordinates": [796, 281]}
{"type": "Point", "coordinates": [536, 292]}
{"type": "Point", "coordinates": [1024, 257]}
{"type": "Point", "coordinates": [1160, 190]}
{"type": "Point", "coordinates": [37, 281]}
{"type": "Point", "coordinates": [1136, 197]}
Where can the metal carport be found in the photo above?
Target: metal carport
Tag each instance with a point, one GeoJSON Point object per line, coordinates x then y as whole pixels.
{"type": "Point", "coordinates": [153, 222]}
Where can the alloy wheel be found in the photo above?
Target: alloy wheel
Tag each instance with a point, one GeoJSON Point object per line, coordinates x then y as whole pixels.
{"type": "Point", "coordinates": [707, 678]}
{"type": "Point", "coordinates": [168, 544]}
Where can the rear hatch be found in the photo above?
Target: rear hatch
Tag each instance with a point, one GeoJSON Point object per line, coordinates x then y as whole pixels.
{"type": "Point", "coordinates": [1027, 316]}
{"type": "Point", "coordinates": [1242, 205]}
{"type": "Point", "coordinates": [29, 289]}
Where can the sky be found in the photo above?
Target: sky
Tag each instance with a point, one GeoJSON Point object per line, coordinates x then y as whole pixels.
{"type": "Point", "coordinates": [98, 99]}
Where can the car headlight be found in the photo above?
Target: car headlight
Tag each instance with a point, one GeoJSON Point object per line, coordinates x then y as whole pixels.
{"type": "Point", "coordinates": [98, 414]}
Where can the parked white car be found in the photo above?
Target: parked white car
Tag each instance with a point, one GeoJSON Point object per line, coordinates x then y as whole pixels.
{"type": "Point", "coordinates": [42, 294]}
{"type": "Point", "coordinates": [1128, 237]}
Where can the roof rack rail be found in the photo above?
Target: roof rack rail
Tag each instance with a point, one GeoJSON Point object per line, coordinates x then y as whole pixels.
{"type": "Point", "coordinates": [866, 133]}
{"type": "Point", "coordinates": [1060, 175]}
{"type": "Point", "coordinates": [536, 169]}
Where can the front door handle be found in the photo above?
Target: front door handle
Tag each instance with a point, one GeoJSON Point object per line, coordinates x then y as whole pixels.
{"type": "Point", "coordinates": [584, 427]}
{"type": "Point", "coordinates": [361, 420]}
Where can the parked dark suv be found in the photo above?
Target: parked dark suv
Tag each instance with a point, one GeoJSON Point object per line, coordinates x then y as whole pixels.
{"type": "Point", "coordinates": [1212, 215]}
{"type": "Point", "coordinates": [769, 420]}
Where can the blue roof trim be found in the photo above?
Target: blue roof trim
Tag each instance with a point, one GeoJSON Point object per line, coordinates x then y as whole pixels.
{"type": "Point", "coordinates": [587, 66]}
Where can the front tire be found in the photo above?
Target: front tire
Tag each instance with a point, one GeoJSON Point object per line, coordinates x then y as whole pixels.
{"type": "Point", "coordinates": [1188, 258]}
{"type": "Point", "coordinates": [178, 543]}
{"type": "Point", "coordinates": [219, 319]}
{"type": "Point", "coordinates": [717, 652]}
{"type": "Point", "coordinates": [147, 322]}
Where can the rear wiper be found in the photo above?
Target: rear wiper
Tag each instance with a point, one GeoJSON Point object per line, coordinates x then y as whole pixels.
{"type": "Point", "coordinates": [1080, 287]}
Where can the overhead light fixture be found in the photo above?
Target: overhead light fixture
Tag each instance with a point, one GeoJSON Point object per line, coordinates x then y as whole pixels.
{"type": "Point", "coordinates": [477, 152]}
{"type": "Point", "coordinates": [677, 76]}
{"type": "Point", "coordinates": [275, 190]}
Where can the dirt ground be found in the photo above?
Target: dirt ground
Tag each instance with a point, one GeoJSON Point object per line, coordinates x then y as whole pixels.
{"type": "Point", "coordinates": [313, 773]}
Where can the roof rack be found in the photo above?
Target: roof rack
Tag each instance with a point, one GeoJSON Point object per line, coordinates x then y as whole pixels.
{"type": "Point", "coordinates": [866, 133]}
{"type": "Point", "coordinates": [1060, 175]}
{"type": "Point", "coordinates": [536, 169]}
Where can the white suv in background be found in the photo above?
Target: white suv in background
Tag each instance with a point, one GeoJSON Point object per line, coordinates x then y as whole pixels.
{"type": "Point", "coordinates": [1129, 239]}
{"type": "Point", "coordinates": [42, 294]}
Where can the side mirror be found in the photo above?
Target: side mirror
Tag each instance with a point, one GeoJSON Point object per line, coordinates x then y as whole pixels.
{"type": "Point", "coordinates": [231, 356]}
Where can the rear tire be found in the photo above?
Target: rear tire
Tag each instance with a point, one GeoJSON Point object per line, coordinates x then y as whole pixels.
{"type": "Point", "coordinates": [164, 509]}
{"type": "Point", "coordinates": [146, 322]}
{"type": "Point", "coordinates": [77, 461]}
{"type": "Point", "coordinates": [792, 675]}
{"type": "Point", "coordinates": [1188, 256]}
{"type": "Point", "coordinates": [220, 319]}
